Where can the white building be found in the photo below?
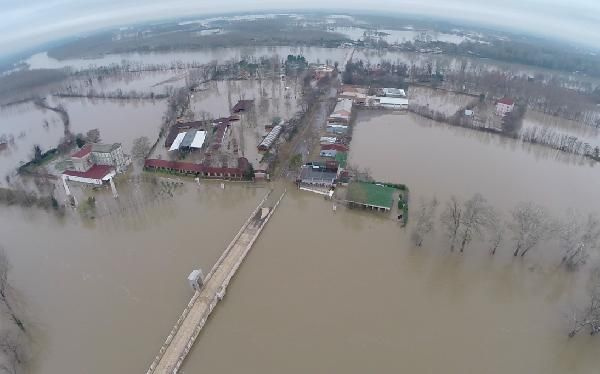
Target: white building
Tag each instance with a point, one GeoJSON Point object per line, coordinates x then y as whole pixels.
{"type": "Point", "coordinates": [394, 92]}
{"type": "Point", "coordinates": [342, 112]}
{"type": "Point", "coordinates": [396, 103]}
{"type": "Point", "coordinates": [504, 106]}
{"type": "Point", "coordinates": [110, 155]}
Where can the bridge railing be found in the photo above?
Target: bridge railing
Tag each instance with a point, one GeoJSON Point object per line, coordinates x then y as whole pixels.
{"type": "Point", "coordinates": [194, 298]}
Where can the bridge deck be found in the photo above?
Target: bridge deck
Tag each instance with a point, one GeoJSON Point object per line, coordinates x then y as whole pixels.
{"type": "Point", "coordinates": [189, 325]}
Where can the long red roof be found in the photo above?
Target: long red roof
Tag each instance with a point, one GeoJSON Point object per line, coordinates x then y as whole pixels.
{"type": "Point", "coordinates": [336, 147]}
{"type": "Point", "coordinates": [95, 172]}
{"type": "Point", "coordinates": [196, 168]}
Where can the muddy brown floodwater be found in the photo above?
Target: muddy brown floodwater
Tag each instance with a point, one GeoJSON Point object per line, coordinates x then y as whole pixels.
{"type": "Point", "coordinates": [321, 291]}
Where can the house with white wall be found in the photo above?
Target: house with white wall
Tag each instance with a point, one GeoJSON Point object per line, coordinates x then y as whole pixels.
{"type": "Point", "coordinates": [504, 106]}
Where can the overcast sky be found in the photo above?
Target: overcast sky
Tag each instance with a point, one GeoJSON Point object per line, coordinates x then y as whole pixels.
{"type": "Point", "coordinates": [26, 23]}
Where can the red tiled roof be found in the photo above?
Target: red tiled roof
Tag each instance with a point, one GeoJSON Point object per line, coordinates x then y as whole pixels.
{"type": "Point", "coordinates": [506, 101]}
{"type": "Point", "coordinates": [84, 151]}
{"type": "Point", "coordinates": [336, 147]}
{"type": "Point", "coordinates": [95, 172]}
{"type": "Point", "coordinates": [197, 168]}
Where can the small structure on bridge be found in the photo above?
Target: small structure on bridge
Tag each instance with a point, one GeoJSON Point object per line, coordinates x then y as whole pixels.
{"type": "Point", "coordinates": [196, 279]}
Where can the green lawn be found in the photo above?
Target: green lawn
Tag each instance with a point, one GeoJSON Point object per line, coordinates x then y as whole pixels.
{"type": "Point", "coordinates": [371, 194]}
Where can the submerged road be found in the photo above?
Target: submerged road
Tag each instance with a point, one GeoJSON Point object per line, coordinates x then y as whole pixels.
{"type": "Point", "coordinates": [190, 323]}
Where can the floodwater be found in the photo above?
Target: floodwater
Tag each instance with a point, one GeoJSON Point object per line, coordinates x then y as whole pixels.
{"type": "Point", "coordinates": [312, 54]}
{"type": "Point", "coordinates": [101, 296]}
{"type": "Point", "coordinates": [584, 133]}
{"type": "Point", "coordinates": [400, 36]}
{"type": "Point", "coordinates": [441, 160]}
{"type": "Point", "coordinates": [321, 291]}
{"type": "Point", "coordinates": [118, 120]}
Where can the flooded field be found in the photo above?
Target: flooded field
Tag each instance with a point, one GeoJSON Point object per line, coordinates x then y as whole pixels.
{"type": "Point", "coordinates": [118, 120]}
{"type": "Point", "coordinates": [437, 159]}
{"type": "Point", "coordinates": [447, 103]}
{"type": "Point", "coordinates": [353, 295]}
{"type": "Point", "coordinates": [312, 54]}
{"type": "Point", "coordinates": [321, 291]}
{"type": "Point", "coordinates": [587, 134]}
{"type": "Point", "coordinates": [102, 295]}
{"type": "Point", "coordinates": [399, 36]}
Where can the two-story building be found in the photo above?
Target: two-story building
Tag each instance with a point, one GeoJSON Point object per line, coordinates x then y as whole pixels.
{"type": "Point", "coordinates": [110, 155]}
{"type": "Point", "coordinates": [504, 106]}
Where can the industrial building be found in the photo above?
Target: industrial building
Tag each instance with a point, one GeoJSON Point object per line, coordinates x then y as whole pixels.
{"type": "Point", "coordinates": [342, 112]}
{"type": "Point", "coordinates": [315, 175]}
{"type": "Point", "coordinates": [270, 139]}
{"type": "Point", "coordinates": [189, 140]}
{"type": "Point", "coordinates": [395, 103]}
{"type": "Point", "coordinates": [394, 92]}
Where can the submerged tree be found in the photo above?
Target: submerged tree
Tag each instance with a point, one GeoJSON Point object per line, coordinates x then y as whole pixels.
{"type": "Point", "coordinates": [578, 236]}
{"type": "Point", "coordinates": [529, 226]}
{"type": "Point", "coordinates": [5, 290]}
{"type": "Point", "coordinates": [424, 222]}
{"type": "Point", "coordinates": [140, 149]}
{"type": "Point", "coordinates": [451, 220]}
{"type": "Point", "coordinates": [588, 317]}
{"type": "Point", "coordinates": [475, 216]}
{"type": "Point", "coordinates": [497, 231]}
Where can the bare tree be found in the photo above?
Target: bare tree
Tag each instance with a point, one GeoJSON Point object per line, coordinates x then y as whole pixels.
{"type": "Point", "coordinates": [424, 223]}
{"type": "Point", "coordinates": [5, 289]}
{"type": "Point", "coordinates": [477, 214]}
{"type": "Point", "coordinates": [578, 236]}
{"type": "Point", "coordinates": [529, 226]}
{"type": "Point", "coordinates": [451, 220]}
{"type": "Point", "coordinates": [588, 317]}
{"type": "Point", "coordinates": [140, 149]}
{"type": "Point", "coordinates": [93, 136]}
{"type": "Point", "coordinates": [497, 231]}
{"type": "Point", "coordinates": [14, 351]}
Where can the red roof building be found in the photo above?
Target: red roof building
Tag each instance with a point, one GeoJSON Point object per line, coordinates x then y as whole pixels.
{"type": "Point", "coordinates": [334, 147]}
{"type": "Point", "coordinates": [94, 175]}
{"type": "Point", "coordinates": [506, 101]}
{"type": "Point", "coordinates": [205, 171]}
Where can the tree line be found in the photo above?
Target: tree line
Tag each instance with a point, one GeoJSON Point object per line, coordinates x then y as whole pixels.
{"type": "Point", "coordinates": [527, 227]}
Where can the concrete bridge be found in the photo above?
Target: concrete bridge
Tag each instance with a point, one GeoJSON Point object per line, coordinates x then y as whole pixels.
{"type": "Point", "coordinates": [190, 323]}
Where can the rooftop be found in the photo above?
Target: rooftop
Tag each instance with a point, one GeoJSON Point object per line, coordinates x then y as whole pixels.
{"type": "Point", "coordinates": [308, 173]}
{"type": "Point", "coordinates": [506, 101]}
{"type": "Point", "coordinates": [105, 148]}
{"type": "Point", "coordinates": [372, 194]}
{"type": "Point", "coordinates": [84, 151]}
{"type": "Point", "coordinates": [394, 92]}
{"type": "Point", "coordinates": [95, 172]}
{"type": "Point", "coordinates": [392, 100]}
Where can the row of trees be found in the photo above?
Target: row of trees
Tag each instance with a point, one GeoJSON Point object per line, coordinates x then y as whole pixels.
{"type": "Point", "coordinates": [560, 141]}
{"type": "Point", "coordinates": [528, 225]}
